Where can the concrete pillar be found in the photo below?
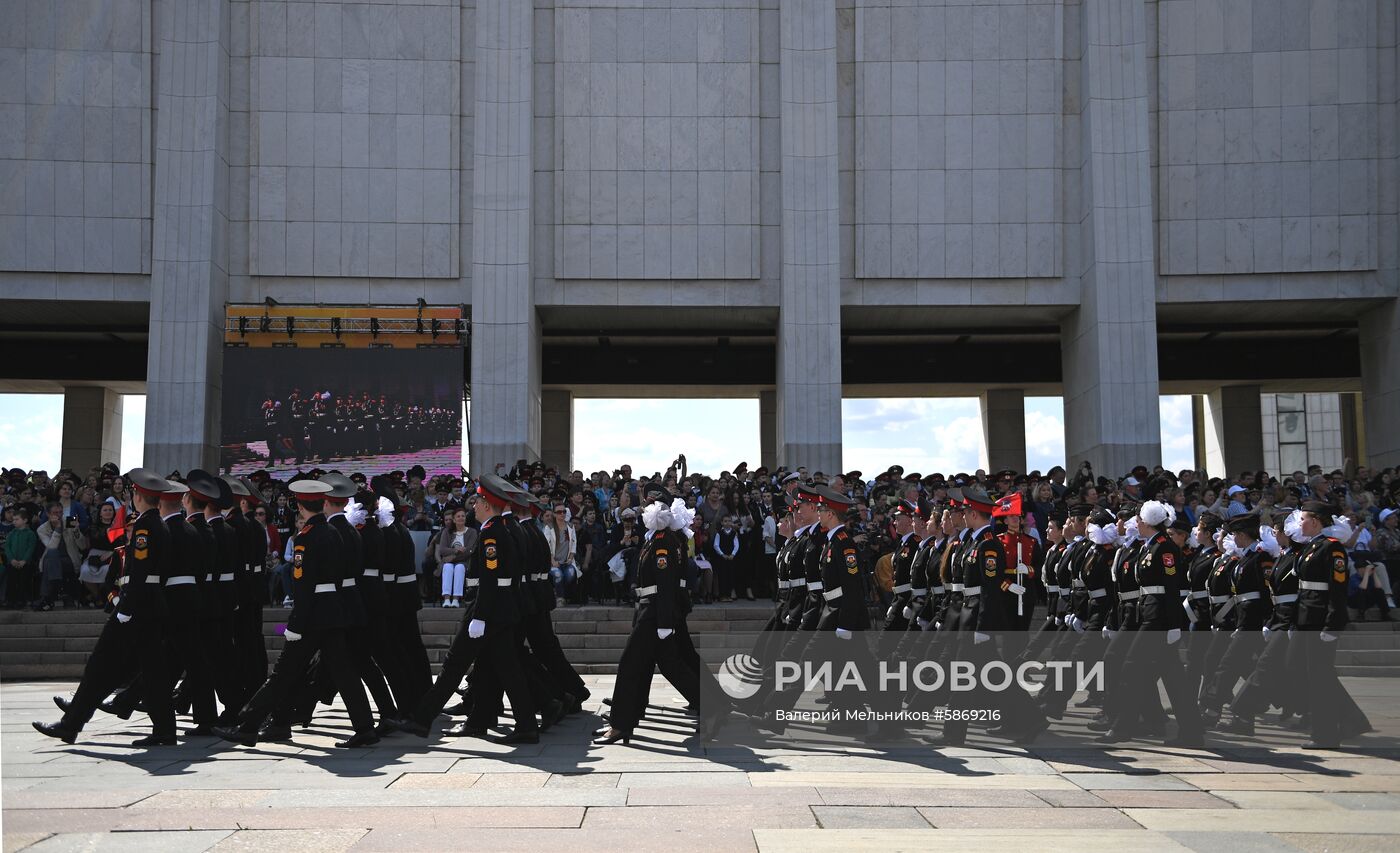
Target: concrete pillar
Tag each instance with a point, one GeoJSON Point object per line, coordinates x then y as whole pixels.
{"type": "Point", "coordinates": [809, 321]}
{"type": "Point", "coordinates": [768, 429]}
{"type": "Point", "coordinates": [1109, 343]}
{"type": "Point", "coordinates": [505, 379]}
{"type": "Point", "coordinates": [1198, 432]}
{"type": "Point", "coordinates": [1380, 383]}
{"type": "Point", "coordinates": [1004, 428]}
{"type": "Point", "coordinates": [189, 255]}
{"type": "Point", "coordinates": [92, 427]}
{"type": "Point", "coordinates": [1234, 431]}
{"type": "Point", "coordinates": [557, 429]}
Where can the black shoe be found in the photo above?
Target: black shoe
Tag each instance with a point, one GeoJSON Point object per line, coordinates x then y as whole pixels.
{"type": "Point", "coordinates": [358, 739]}
{"type": "Point", "coordinates": [464, 730]}
{"type": "Point", "coordinates": [386, 727]}
{"type": "Point", "coordinates": [111, 708]}
{"type": "Point", "coordinates": [1093, 700]}
{"type": "Point", "coordinates": [552, 714]}
{"type": "Point", "coordinates": [1100, 725]}
{"type": "Point", "coordinates": [460, 709]}
{"type": "Point", "coordinates": [274, 731]}
{"type": "Point", "coordinates": [413, 727]}
{"type": "Point", "coordinates": [944, 740]}
{"type": "Point", "coordinates": [606, 736]}
{"type": "Point", "coordinates": [518, 736]}
{"type": "Point", "coordinates": [1238, 726]}
{"type": "Point", "coordinates": [202, 730]}
{"type": "Point", "coordinates": [56, 730]}
{"type": "Point", "coordinates": [233, 735]}
{"type": "Point", "coordinates": [62, 703]}
{"type": "Point", "coordinates": [154, 740]}
{"type": "Point", "coordinates": [572, 704]}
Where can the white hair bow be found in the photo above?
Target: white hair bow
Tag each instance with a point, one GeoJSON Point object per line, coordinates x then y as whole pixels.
{"type": "Point", "coordinates": [355, 513]}
{"type": "Point", "coordinates": [384, 512]}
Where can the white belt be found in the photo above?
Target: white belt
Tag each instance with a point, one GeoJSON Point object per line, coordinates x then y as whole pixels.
{"type": "Point", "coordinates": [1199, 593]}
{"type": "Point", "coordinates": [250, 567]}
{"type": "Point", "coordinates": [1220, 599]}
{"type": "Point", "coordinates": [956, 587]}
{"type": "Point", "coordinates": [152, 578]}
{"type": "Point", "coordinates": [473, 581]}
{"type": "Point", "coordinates": [348, 582]}
{"type": "Point", "coordinates": [917, 591]}
{"type": "Point", "coordinates": [180, 580]}
{"type": "Point", "coordinates": [939, 590]}
{"type": "Point", "coordinates": [1286, 599]}
{"type": "Point", "coordinates": [646, 590]}
{"type": "Point", "coordinates": [1077, 584]}
{"type": "Point", "coordinates": [1129, 595]}
{"type": "Point", "coordinates": [682, 583]}
{"type": "Point", "coordinates": [793, 584]}
{"type": "Point", "coordinates": [388, 578]}
{"type": "Point", "coordinates": [1154, 590]}
{"type": "Point", "coordinates": [1051, 588]}
{"type": "Point", "coordinates": [371, 573]}
{"type": "Point", "coordinates": [1247, 596]}
{"type": "Point", "coordinates": [1098, 593]}
{"type": "Point", "coordinates": [834, 594]}
{"type": "Point", "coordinates": [782, 584]}
{"type": "Point", "coordinates": [815, 586]}
{"type": "Point", "coordinates": [207, 578]}
{"type": "Point", "coordinates": [972, 591]}
{"type": "Point", "coordinates": [1185, 593]}
{"type": "Point", "coordinates": [122, 581]}
{"type": "Point", "coordinates": [504, 581]}
{"type": "Point", "coordinates": [540, 576]}
{"type": "Point", "coordinates": [226, 576]}
{"type": "Point", "coordinates": [1315, 586]}
{"type": "Point", "coordinates": [409, 579]}
{"type": "Point", "coordinates": [904, 587]}
{"type": "Point", "coordinates": [325, 587]}
{"type": "Point", "coordinates": [257, 570]}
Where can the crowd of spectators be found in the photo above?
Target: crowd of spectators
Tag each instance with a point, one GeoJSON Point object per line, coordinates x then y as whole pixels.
{"type": "Point", "coordinates": [55, 548]}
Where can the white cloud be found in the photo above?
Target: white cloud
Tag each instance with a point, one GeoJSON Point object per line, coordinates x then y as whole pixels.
{"type": "Point", "coordinates": [1045, 433]}
{"type": "Point", "coordinates": [1178, 432]}
{"type": "Point", "coordinates": [31, 431]}
{"type": "Point", "coordinates": [133, 431]}
{"type": "Point", "coordinates": [714, 435]}
{"type": "Point", "coordinates": [923, 435]}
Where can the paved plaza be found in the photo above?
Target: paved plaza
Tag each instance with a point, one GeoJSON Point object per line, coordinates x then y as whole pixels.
{"type": "Point", "coordinates": [666, 792]}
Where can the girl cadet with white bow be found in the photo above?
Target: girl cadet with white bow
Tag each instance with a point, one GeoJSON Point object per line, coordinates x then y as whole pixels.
{"type": "Point", "coordinates": [1153, 656]}
{"type": "Point", "coordinates": [658, 626]}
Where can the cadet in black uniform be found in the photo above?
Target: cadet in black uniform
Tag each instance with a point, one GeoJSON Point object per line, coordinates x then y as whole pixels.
{"type": "Point", "coordinates": [487, 635]}
{"type": "Point", "coordinates": [660, 616]}
{"type": "Point", "coordinates": [1268, 683]}
{"type": "Point", "coordinates": [132, 641]}
{"type": "Point", "coordinates": [316, 624]}
{"type": "Point", "coordinates": [905, 550]}
{"type": "Point", "coordinates": [229, 571]}
{"type": "Point", "coordinates": [249, 647]}
{"type": "Point", "coordinates": [1250, 610]}
{"type": "Point", "coordinates": [400, 576]}
{"type": "Point", "coordinates": [1153, 654]}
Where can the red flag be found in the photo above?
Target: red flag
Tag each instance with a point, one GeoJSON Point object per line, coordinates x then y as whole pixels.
{"type": "Point", "coordinates": [1009, 505]}
{"type": "Point", "coordinates": [118, 527]}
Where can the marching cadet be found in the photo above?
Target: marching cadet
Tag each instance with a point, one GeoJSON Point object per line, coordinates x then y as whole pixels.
{"type": "Point", "coordinates": [928, 527]}
{"type": "Point", "coordinates": [133, 640]}
{"type": "Point", "coordinates": [1321, 615]}
{"type": "Point", "coordinates": [1022, 554]}
{"type": "Point", "coordinates": [1153, 655]}
{"type": "Point", "coordinates": [1197, 603]}
{"type": "Point", "coordinates": [487, 635]}
{"type": "Point", "coordinates": [905, 549]}
{"type": "Point", "coordinates": [219, 590]}
{"type": "Point", "coordinates": [1268, 683]}
{"type": "Point", "coordinates": [400, 577]}
{"type": "Point", "coordinates": [989, 606]}
{"type": "Point", "coordinates": [539, 628]}
{"type": "Point", "coordinates": [1250, 610]}
{"type": "Point", "coordinates": [1056, 548]}
{"type": "Point", "coordinates": [375, 597]}
{"type": "Point", "coordinates": [1089, 606]}
{"type": "Point", "coordinates": [250, 648]}
{"type": "Point", "coordinates": [317, 623]}
{"type": "Point", "coordinates": [230, 572]}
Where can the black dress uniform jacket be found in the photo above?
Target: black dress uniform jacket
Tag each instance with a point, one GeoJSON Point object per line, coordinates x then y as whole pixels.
{"type": "Point", "coordinates": [350, 567]}
{"type": "Point", "coordinates": [660, 565]}
{"type": "Point", "coordinates": [145, 568]}
{"type": "Point", "coordinates": [1323, 562]}
{"type": "Point", "coordinates": [497, 562]}
{"type": "Point", "coordinates": [1160, 565]}
{"type": "Point", "coordinates": [316, 556]}
{"type": "Point", "coordinates": [841, 572]}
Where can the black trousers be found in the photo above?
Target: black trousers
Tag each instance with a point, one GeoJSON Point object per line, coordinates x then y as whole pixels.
{"type": "Point", "coordinates": [1017, 708]}
{"type": "Point", "coordinates": [486, 694]}
{"type": "Point", "coordinates": [406, 637]}
{"type": "Point", "coordinates": [124, 652]}
{"type": "Point", "coordinates": [1242, 647]}
{"type": "Point", "coordinates": [250, 646]}
{"type": "Point", "coordinates": [216, 635]}
{"type": "Point", "coordinates": [1086, 647]}
{"type": "Point", "coordinates": [1314, 664]}
{"type": "Point", "coordinates": [1268, 683]}
{"type": "Point", "coordinates": [643, 654]}
{"type": "Point", "coordinates": [502, 671]}
{"type": "Point", "coordinates": [185, 659]}
{"type": "Point", "coordinates": [539, 633]}
{"type": "Point", "coordinates": [1203, 657]}
{"type": "Point", "coordinates": [460, 656]}
{"type": "Point", "coordinates": [290, 672]}
{"type": "Point", "coordinates": [1151, 659]}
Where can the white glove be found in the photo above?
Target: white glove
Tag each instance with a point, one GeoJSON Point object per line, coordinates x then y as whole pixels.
{"type": "Point", "coordinates": [1265, 631]}
{"type": "Point", "coordinates": [1327, 638]}
{"type": "Point", "coordinates": [1017, 589]}
{"type": "Point", "coordinates": [908, 612]}
{"type": "Point", "coordinates": [475, 629]}
{"type": "Point", "coordinates": [978, 638]}
{"type": "Point", "coordinates": [1173, 635]}
{"type": "Point", "coordinates": [924, 624]}
{"type": "Point", "coordinates": [1290, 633]}
{"type": "Point", "coordinates": [843, 634]}
{"type": "Point", "coordinates": [1107, 634]}
{"type": "Point", "coordinates": [1059, 621]}
{"type": "Point", "coordinates": [663, 633]}
{"type": "Point", "coordinates": [889, 614]}
{"type": "Point", "coordinates": [1076, 624]}
{"type": "Point", "coordinates": [290, 636]}
{"type": "Point", "coordinates": [938, 626]}
{"type": "Point", "coordinates": [123, 618]}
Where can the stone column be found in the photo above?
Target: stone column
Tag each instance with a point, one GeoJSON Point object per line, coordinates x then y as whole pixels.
{"type": "Point", "coordinates": [1109, 344]}
{"type": "Point", "coordinates": [1380, 383]}
{"type": "Point", "coordinates": [809, 321]}
{"type": "Point", "coordinates": [557, 429]}
{"type": "Point", "coordinates": [768, 429]}
{"type": "Point", "coordinates": [1234, 430]}
{"type": "Point", "coordinates": [189, 254]}
{"type": "Point", "coordinates": [1004, 428]}
{"type": "Point", "coordinates": [92, 427]}
{"type": "Point", "coordinates": [505, 381]}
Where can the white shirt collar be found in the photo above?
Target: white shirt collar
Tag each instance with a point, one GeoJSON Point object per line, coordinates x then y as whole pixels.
{"type": "Point", "coordinates": [979, 530]}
